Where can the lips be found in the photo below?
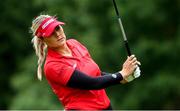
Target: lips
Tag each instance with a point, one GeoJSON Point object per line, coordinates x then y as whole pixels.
{"type": "Point", "coordinates": [60, 39]}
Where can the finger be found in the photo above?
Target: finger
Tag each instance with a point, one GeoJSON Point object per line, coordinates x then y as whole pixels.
{"type": "Point", "coordinates": [135, 63]}
{"type": "Point", "coordinates": [128, 57]}
{"type": "Point", "coordinates": [138, 63]}
{"type": "Point", "coordinates": [131, 57]}
{"type": "Point", "coordinates": [134, 59]}
{"type": "Point", "coordinates": [134, 67]}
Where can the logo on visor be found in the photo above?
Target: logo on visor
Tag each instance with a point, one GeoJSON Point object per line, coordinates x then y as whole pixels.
{"type": "Point", "coordinates": [47, 23]}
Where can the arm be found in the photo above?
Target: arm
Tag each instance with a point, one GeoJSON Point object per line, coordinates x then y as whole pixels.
{"type": "Point", "coordinates": [83, 81]}
{"type": "Point", "coordinates": [104, 73]}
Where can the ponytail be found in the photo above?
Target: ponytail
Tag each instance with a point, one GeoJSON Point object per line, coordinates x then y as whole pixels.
{"type": "Point", "coordinates": [40, 48]}
{"type": "Point", "coordinates": [38, 43]}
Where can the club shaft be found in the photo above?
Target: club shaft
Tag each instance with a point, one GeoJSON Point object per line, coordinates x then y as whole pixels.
{"type": "Point", "coordinates": [122, 29]}
{"type": "Point", "coordinates": [124, 37]}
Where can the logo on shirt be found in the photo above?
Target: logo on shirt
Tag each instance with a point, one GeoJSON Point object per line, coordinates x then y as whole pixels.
{"type": "Point", "coordinates": [114, 75]}
{"type": "Point", "coordinates": [74, 66]}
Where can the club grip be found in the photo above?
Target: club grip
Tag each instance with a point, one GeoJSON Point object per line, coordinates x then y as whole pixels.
{"type": "Point", "coordinates": [127, 48]}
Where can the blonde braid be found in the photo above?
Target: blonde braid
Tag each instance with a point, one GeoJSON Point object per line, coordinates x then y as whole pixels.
{"type": "Point", "coordinates": [38, 44]}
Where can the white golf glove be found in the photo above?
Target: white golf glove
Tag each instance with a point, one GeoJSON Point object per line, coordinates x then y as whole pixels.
{"type": "Point", "coordinates": [136, 74]}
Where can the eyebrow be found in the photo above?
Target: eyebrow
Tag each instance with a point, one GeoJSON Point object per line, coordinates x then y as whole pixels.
{"type": "Point", "coordinates": [57, 27]}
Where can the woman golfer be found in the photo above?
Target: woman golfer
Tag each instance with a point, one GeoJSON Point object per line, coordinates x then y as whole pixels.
{"type": "Point", "coordinates": [71, 72]}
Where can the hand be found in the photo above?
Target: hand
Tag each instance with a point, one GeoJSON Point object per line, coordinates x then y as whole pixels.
{"type": "Point", "coordinates": [136, 74]}
{"type": "Point", "coordinates": [129, 66]}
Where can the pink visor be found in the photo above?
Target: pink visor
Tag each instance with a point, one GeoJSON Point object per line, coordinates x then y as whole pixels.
{"type": "Point", "coordinates": [47, 27]}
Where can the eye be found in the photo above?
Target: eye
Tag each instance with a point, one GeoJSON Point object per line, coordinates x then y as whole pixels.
{"type": "Point", "coordinates": [57, 28]}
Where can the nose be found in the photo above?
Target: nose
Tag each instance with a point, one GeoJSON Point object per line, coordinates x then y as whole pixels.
{"type": "Point", "coordinates": [57, 34]}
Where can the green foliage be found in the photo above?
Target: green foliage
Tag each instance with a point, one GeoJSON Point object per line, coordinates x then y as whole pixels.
{"type": "Point", "coordinates": [153, 31]}
{"type": "Point", "coordinates": [30, 92]}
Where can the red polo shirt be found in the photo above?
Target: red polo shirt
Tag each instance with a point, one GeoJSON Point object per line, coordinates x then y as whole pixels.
{"type": "Point", "coordinates": [58, 70]}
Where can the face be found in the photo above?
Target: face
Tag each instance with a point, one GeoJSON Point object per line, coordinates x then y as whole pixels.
{"type": "Point", "coordinates": [57, 39]}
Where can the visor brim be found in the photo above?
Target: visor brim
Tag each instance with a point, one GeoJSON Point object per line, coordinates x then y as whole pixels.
{"type": "Point", "coordinates": [51, 28]}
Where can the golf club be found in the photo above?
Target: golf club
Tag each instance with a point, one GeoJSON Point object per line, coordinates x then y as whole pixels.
{"type": "Point", "coordinates": [122, 29]}
{"type": "Point", "coordinates": [137, 70]}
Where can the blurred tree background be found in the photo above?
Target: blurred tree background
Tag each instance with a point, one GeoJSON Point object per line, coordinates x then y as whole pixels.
{"type": "Point", "coordinates": [153, 31]}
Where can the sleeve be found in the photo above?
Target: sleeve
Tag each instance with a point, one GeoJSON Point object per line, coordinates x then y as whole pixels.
{"type": "Point", "coordinates": [104, 73]}
{"type": "Point", "coordinates": [83, 81]}
{"type": "Point", "coordinates": [59, 73]}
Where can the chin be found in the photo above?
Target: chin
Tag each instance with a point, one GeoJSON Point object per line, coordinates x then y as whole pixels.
{"type": "Point", "coordinates": [62, 43]}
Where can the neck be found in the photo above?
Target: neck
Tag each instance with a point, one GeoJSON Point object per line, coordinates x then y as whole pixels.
{"type": "Point", "coordinates": [63, 50]}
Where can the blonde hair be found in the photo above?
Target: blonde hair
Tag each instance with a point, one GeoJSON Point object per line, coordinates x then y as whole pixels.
{"type": "Point", "coordinates": [38, 44]}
